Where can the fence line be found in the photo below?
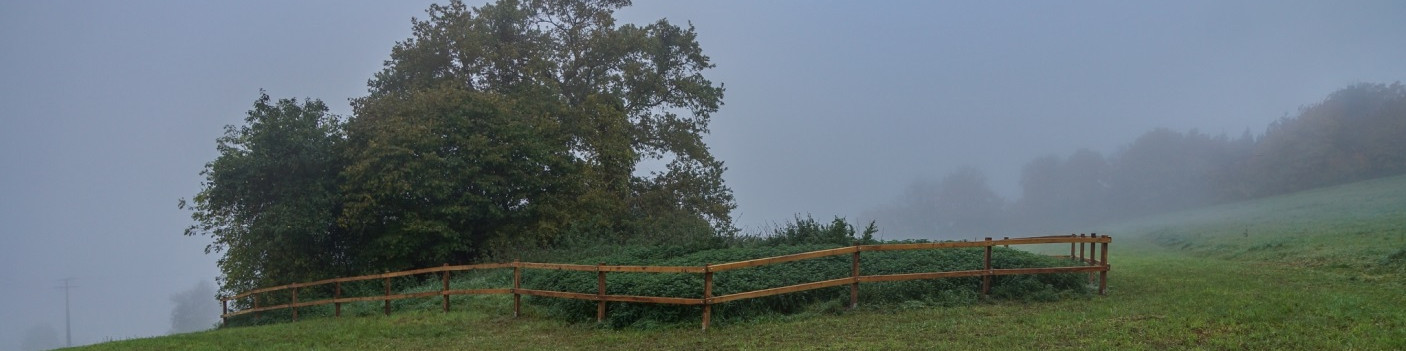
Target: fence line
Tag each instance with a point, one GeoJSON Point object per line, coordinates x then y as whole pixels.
{"type": "Point", "coordinates": [1094, 261]}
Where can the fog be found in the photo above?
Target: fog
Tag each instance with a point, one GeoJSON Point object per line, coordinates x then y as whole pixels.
{"type": "Point", "coordinates": [832, 109]}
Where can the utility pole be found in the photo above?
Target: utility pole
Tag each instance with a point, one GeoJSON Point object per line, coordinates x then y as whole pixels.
{"type": "Point", "coordinates": [67, 327]}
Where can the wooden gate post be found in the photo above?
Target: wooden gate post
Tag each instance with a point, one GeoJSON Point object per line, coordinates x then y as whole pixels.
{"type": "Point", "coordinates": [600, 293]}
{"type": "Point", "coordinates": [517, 284]}
{"type": "Point", "coordinates": [707, 295]}
{"type": "Point", "coordinates": [986, 278]}
{"type": "Point", "coordinates": [1103, 274]}
{"type": "Point", "coordinates": [445, 291]}
{"type": "Point", "coordinates": [854, 274]}
{"type": "Point", "coordinates": [336, 296]}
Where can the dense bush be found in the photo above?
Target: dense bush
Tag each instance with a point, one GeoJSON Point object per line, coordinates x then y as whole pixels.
{"type": "Point", "coordinates": [806, 230]}
{"type": "Point", "coordinates": [941, 292]}
{"type": "Point", "coordinates": [802, 235]}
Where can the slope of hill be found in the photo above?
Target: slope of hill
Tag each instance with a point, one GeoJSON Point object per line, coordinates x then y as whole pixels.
{"type": "Point", "coordinates": [1358, 228]}
{"type": "Point", "coordinates": [1320, 269]}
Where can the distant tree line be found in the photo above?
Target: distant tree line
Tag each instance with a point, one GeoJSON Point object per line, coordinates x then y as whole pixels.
{"type": "Point", "coordinates": [1356, 133]}
{"type": "Point", "coordinates": [518, 124]}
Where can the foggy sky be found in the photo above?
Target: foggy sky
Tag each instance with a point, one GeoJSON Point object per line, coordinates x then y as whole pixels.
{"type": "Point", "coordinates": [109, 110]}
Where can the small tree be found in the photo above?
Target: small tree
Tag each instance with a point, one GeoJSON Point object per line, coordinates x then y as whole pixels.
{"type": "Point", "coordinates": [195, 310]}
{"type": "Point", "coordinates": [270, 199]}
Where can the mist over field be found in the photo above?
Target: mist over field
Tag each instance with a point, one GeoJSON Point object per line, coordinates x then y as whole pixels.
{"type": "Point", "coordinates": [935, 120]}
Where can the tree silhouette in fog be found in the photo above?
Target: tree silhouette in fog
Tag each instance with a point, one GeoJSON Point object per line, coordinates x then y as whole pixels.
{"type": "Point", "coordinates": [195, 310]}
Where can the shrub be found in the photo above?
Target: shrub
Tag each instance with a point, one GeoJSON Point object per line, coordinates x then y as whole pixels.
{"type": "Point", "coordinates": [691, 248]}
{"type": "Point", "coordinates": [936, 292]}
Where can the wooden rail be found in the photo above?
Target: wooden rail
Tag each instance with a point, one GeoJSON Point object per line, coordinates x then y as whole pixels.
{"type": "Point", "coordinates": [1090, 251]}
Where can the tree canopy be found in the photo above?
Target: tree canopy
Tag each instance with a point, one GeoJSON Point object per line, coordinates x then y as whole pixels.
{"type": "Point", "coordinates": [537, 114]}
{"type": "Point", "coordinates": [270, 200]}
{"type": "Point", "coordinates": [514, 124]}
{"type": "Point", "coordinates": [437, 176]}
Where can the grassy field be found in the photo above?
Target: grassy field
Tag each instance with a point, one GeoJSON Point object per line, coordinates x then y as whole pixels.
{"type": "Point", "coordinates": [1323, 269]}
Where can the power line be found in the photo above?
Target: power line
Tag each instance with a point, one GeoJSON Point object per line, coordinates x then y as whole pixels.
{"type": "Point", "coordinates": [67, 326]}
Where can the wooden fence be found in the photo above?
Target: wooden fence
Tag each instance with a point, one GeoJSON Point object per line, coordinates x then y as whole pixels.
{"type": "Point", "coordinates": [1083, 249]}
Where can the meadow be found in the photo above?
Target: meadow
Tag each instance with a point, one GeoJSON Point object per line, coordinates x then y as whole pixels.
{"type": "Point", "coordinates": [1320, 269]}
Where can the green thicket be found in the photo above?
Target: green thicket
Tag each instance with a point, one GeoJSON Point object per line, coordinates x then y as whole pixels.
{"type": "Point", "coordinates": [801, 235]}
{"type": "Point", "coordinates": [935, 292]}
{"type": "Point", "coordinates": [804, 234]}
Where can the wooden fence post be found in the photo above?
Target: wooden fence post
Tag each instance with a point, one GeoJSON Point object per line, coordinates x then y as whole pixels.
{"type": "Point", "coordinates": [337, 295]}
{"type": "Point", "coordinates": [1103, 274]}
{"type": "Point", "coordinates": [445, 290]}
{"type": "Point", "coordinates": [295, 303]}
{"type": "Point", "coordinates": [1071, 249]}
{"type": "Point", "coordinates": [517, 284]}
{"type": "Point", "coordinates": [600, 293]}
{"type": "Point", "coordinates": [707, 295]}
{"type": "Point", "coordinates": [256, 307]}
{"type": "Point", "coordinates": [224, 310]}
{"type": "Point", "coordinates": [1082, 259]}
{"type": "Point", "coordinates": [1093, 255]}
{"type": "Point", "coordinates": [854, 274]}
{"type": "Point", "coordinates": [387, 308]}
{"type": "Point", "coordinates": [986, 278]}
{"type": "Point", "coordinates": [1007, 238]}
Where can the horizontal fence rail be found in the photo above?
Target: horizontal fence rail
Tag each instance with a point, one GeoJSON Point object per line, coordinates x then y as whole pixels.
{"type": "Point", "coordinates": [1090, 251]}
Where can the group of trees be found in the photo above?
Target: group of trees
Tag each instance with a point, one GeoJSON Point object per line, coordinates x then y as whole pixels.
{"type": "Point", "coordinates": [960, 203]}
{"type": "Point", "coordinates": [1356, 133]}
{"type": "Point", "coordinates": [514, 124]}
{"type": "Point", "coordinates": [1162, 170]}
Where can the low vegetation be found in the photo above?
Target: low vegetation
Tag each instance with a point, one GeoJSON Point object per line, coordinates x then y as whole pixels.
{"type": "Point", "coordinates": [802, 235]}
{"type": "Point", "coordinates": [937, 292]}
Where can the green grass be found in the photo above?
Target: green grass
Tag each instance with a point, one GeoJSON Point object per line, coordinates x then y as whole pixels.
{"type": "Point", "coordinates": [1353, 229]}
{"type": "Point", "coordinates": [1313, 270]}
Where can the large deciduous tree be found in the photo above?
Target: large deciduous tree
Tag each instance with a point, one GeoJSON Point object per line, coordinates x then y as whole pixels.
{"type": "Point", "coordinates": [437, 174]}
{"type": "Point", "coordinates": [270, 200]}
{"type": "Point", "coordinates": [579, 98]}
{"type": "Point", "coordinates": [514, 123]}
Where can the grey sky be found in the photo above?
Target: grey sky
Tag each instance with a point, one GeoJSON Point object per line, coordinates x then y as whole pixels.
{"type": "Point", "coordinates": [110, 109]}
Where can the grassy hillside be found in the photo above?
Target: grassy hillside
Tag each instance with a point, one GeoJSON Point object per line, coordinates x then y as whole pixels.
{"type": "Point", "coordinates": [1356, 229]}
{"type": "Point", "coordinates": [1322, 269]}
